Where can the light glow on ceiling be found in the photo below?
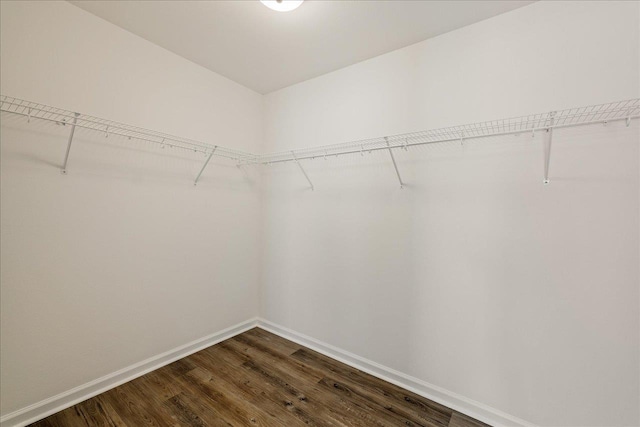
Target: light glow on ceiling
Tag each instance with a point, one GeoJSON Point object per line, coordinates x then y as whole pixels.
{"type": "Point", "coordinates": [282, 5]}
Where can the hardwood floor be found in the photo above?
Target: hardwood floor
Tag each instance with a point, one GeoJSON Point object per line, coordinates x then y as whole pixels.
{"type": "Point", "coordinates": [258, 379]}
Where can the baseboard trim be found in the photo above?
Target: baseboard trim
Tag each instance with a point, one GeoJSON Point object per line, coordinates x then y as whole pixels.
{"type": "Point", "coordinates": [440, 395]}
{"type": "Point", "coordinates": [44, 408]}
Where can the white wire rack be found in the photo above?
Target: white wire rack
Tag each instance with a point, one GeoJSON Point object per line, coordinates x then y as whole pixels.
{"type": "Point", "coordinates": [621, 110]}
{"type": "Point", "coordinates": [547, 122]}
{"type": "Point", "coordinates": [35, 111]}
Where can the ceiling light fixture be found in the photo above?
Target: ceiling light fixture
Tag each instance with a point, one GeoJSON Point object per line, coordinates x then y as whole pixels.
{"type": "Point", "coordinates": [282, 5]}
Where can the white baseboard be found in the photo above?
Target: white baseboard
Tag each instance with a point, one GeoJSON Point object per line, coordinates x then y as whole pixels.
{"type": "Point", "coordinates": [440, 395]}
{"type": "Point", "coordinates": [44, 408]}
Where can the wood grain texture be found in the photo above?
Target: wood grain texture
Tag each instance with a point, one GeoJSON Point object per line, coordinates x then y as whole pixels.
{"type": "Point", "coordinates": [258, 379]}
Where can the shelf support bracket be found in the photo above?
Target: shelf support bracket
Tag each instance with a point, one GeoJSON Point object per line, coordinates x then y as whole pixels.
{"type": "Point", "coordinates": [205, 165]}
{"type": "Point", "coordinates": [66, 156]}
{"type": "Point", "coordinates": [547, 146]}
{"type": "Point", "coordinates": [393, 159]}
{"type": "Point", "coordinates": [302, 169]}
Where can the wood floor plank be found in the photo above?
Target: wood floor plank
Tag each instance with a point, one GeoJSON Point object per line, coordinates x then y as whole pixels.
{"type": "Point", "coordinates": [256, 351]}
{"type": "Point", "coordinates": [95, 413]}
{"type": "Point", "coordinates": [278, 389]}
{"type": "Point", "coordinates": [112, 414]}
{"type": "Point", "coordinates": [192, 411]}
{"type": "Point", "coordinates": [257, 379]}
{"type": "Point", "coordinates": [160, 385]}
{"type": "Point", "coordinates": [387, 413]}
{"type": "Point", "coordinates": [126, 401]}
{"type": "Point", "coordinates": [183, 413]}
{"type": "Point", "coordinates": [255, 390]}
{"type": "Point", "coordinates": [68, 417]}
{"type": "Point", "coordinates": [256, 414]}
{"type": "Point", "coordinates": [292, 372]}
{"type": "Point", "coordinates": [303, 387]}
{"type": "Point", "coordinates": [299, 381]}
{"type": "Point", "coordinates": [216, 395]}
{"type": "Point", "coordinates": [180, 367]}
{"type": "Point", "coordinates": [317, 407]}
{"type": "Point", "coordinates": [429, 413]}
{"type": "Point", "coordinates": [272, 340]}
{"type": "Point", "coordinates": [461, 420]}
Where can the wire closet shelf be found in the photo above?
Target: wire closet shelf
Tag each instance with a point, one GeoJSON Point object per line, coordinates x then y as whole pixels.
{"type": "Point", "coordinates": [601, 113]}
{"type": "Point", "coordinates": [546, 122]}
{"type": "Point", "coordinates": [35, 111]}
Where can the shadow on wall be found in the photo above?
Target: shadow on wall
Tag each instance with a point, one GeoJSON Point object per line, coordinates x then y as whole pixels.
{"type": "Point", "coordinates": [117, 157]}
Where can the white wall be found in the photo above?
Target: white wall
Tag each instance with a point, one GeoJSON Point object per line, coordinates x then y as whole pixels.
{"type": "Point", "coordinates": [123, 258]}
{"type": "Point", "coordinates": [475, 277]}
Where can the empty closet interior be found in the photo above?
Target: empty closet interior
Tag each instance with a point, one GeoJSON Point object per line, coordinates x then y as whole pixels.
{"type": "Point", "coordinates": [434, 203]}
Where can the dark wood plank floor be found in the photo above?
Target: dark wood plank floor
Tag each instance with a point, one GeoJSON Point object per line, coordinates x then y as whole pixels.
{"type": "Point", "coordinates": [258, 379]}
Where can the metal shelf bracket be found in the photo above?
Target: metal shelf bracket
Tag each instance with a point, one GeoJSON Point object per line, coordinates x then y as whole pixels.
{"type": "Point", "coordinates": [547, 146]}
{"type": "Point", "coordinates": [393, 159]}
{"type": "Point", "coordinates": [66, 156]}
{"type": "Point", "coordinates": [302, 169]}
{"type": "Point", "coordinates": [205, 165]}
